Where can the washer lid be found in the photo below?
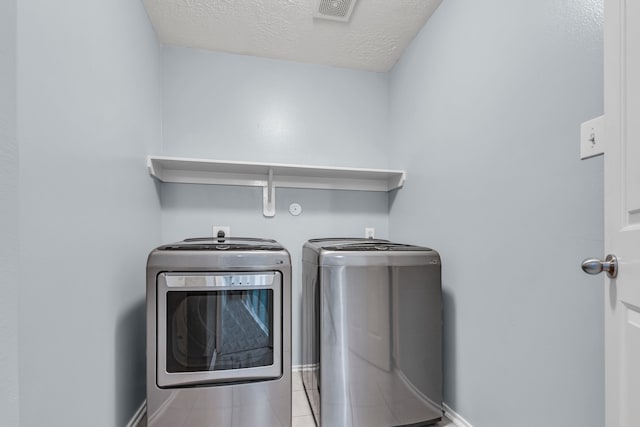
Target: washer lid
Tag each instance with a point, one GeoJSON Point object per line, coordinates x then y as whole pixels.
{"type": "Point", "coordinates": [223, 244]}
{"type": "Point", "coordinates": [343, 240]}
{"type": "Point", "coordinates": [374, 246]}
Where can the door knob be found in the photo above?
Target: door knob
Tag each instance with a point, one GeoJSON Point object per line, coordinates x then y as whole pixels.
{"type": "Point", "coordinates": [595, 266]}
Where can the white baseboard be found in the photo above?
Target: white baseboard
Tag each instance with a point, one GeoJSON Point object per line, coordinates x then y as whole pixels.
{"type": "Point", "coordinates": [453, 416]}
{"type": "Point", "coordinates": [301, 368]}
{"type": "Point", "coordinates": [139, 415]}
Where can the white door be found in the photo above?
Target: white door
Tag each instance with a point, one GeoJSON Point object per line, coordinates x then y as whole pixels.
{"type": "Point", "coordinates": [622, 212]}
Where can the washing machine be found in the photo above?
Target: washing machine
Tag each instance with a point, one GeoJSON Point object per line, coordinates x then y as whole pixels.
{"type": "Point", "coordinates": [219, 334]}
{"type": "Point", "coordinates": [372, 340]}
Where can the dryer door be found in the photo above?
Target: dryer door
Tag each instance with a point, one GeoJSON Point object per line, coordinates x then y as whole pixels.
{"type": "Point", "coordinates": [218, 328]}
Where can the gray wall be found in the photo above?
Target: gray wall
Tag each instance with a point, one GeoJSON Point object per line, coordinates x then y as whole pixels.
{"type": "Point", "coordinates": [232, 107]}
{"type": "Point", "coordinates": [9, 408]}
{"type": "Point", "coordinates": [485, 112]}
{"type": "Point", "coordinates": [88, 114]}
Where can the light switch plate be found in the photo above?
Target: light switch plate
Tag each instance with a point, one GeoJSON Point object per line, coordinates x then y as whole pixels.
{"type": "Point", "coordinates": [592, 138]}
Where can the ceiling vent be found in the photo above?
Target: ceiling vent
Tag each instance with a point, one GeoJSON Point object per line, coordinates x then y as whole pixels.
{"type": "Point", "coordinates": [334, 10]}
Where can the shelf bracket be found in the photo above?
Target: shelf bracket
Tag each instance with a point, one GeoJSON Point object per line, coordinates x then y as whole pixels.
{"type": "Point", "coordinates": [269, 197]}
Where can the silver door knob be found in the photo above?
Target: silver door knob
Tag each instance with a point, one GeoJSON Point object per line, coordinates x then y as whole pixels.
{"type": "Point", "coordinates": [595, 266]}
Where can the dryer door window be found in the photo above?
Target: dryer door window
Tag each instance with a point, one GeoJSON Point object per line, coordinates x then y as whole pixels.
{"type": "Point", "coordinates": [218, 328]}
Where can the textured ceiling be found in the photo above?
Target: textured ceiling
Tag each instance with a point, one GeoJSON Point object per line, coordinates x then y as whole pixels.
{"type": "Point", "coordinates": [374, 39]}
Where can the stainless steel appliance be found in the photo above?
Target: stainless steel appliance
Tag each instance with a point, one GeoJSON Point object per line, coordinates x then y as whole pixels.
{"type": "Point", "coordinates": [372, 340]}
{"type": "Point", "coordinates": [219, 334]}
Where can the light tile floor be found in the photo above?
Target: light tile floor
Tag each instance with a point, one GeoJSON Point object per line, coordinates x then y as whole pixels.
{"type": "Point", "coordinates": [300, 411]}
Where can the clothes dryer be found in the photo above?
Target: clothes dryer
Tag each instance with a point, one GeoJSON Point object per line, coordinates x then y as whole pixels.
{"type": "Point", "coordinates": [219, 334]}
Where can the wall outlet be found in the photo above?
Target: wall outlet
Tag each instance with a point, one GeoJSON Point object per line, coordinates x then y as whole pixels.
{"type": "Point", "coordinates": [369, 232]}
{"type": "Point", "coordinates": [224, 228]}
{"type": "Point", "coordinates": [592, 138]}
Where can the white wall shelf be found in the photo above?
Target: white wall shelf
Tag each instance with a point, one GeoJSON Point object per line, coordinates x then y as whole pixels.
{"type": "Point", "coordinates": [272, 175]}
